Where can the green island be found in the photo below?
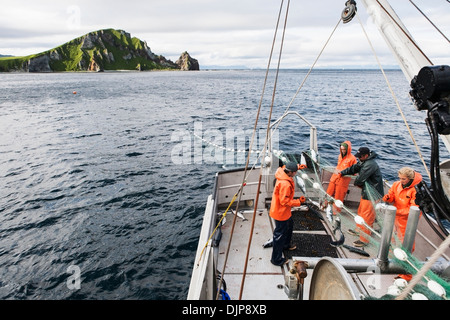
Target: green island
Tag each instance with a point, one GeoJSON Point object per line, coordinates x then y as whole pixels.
{"type": "Point", "coordinates": [97, 51]}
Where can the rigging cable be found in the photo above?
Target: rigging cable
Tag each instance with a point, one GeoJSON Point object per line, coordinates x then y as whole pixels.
{"type": "Point", "coordinates": [395, 98]}
{"type": "Point", "coordinates": [250, 147]}
{"type": "Point", "coordinates": [430, 20]}
{"type": "Point", "coordinates": [263, 153]}
{"type": "Point", "coordinates": [404, 32]}
{"type": "Point", "coordinates": [434, 175]}
{"type": "Point", "coordinates": [309, 72]}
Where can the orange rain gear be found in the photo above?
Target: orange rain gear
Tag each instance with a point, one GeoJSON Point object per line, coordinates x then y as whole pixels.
{"type": "Point", "coordinates": [367, 212]}
{"type": "Point", "coordinates": [283, 197]}
{"type": "Point", "coordinates": [402, 199]}
{"type": "Point", "coordinates": [339, 184]}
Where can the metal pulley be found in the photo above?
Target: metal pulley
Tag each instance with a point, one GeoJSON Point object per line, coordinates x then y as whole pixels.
{"type": "Point", "coordinates": [349, 11]}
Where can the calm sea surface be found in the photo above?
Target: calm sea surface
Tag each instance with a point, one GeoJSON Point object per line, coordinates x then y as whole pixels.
{"type": "Point", "coordinates": [101, 194]}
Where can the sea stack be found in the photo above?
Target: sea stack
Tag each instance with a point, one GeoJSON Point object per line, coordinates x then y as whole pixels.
{"type": "Point", "coordinates": [187, 63]}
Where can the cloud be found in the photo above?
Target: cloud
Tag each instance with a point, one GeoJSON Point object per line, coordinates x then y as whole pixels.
{"type": "Point", "coordinates": [226, 33]}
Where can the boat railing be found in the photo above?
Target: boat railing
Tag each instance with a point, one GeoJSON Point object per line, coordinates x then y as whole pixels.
{"type": "Point", "coordinates": [312, 128]}
{"type": "Point", "coordinates": [202, 280]}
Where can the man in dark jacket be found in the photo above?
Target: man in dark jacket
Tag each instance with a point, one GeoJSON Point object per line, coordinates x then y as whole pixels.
{"type": "Point", "coordinates": [369, 179]}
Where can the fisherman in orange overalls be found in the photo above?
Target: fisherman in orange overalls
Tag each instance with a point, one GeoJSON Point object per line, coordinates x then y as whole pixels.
{"type": "Point", "coordinates": [338, 184]}
{"type": "Point", "coordinates": [402, 195]}
{"type": "Point", "coordinates": [280, 210]}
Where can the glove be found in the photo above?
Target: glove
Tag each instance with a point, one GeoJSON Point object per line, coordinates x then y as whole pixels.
{"type": "Point", "coordinates": [302, 199]}
{"type": "Point", "coordinates": [302, 166]}
{"type": "Point", "coordinates": [387, 198]}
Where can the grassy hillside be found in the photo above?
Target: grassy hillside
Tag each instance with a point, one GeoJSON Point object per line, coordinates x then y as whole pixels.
{"type": "Point", "coordinates": [107, 49]}
{"type": "Point", "coordinates": [12, 63]}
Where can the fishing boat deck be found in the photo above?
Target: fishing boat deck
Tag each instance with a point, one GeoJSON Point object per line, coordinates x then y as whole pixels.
{"type": "Point", "coordinates": [263, 280]}
{"type": "Point", "coordinates": [312, 235]}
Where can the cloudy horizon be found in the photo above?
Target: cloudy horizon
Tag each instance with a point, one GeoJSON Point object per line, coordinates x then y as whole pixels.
{"type": "Point", "coordinates": [222, 34]}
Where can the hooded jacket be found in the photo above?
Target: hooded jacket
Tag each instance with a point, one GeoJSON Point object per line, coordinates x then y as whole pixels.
{"type": "Point", "coordinates": [283, 197]}
{"type": "Point", "coordinates": [368, 174]}
{"type": "Point", "coordinates": [403, 198]}
{"type": "Point", "coordinates": [344, 162]}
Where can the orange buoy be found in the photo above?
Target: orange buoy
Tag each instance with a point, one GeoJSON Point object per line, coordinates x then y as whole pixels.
{"type": "Point", "coordinates": [74, 92]}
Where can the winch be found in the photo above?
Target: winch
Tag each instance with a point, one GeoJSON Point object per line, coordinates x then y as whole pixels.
{"type": "Point", "coordinates": [431, 91]}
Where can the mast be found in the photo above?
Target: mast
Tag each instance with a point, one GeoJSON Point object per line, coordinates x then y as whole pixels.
{"type": "Point", "coordinates": [431, 92]}
{"type": "Point", "coordinates": [409, 56]}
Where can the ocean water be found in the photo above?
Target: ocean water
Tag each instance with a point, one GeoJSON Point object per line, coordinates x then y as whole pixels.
{"type": "Point", "coordinates": [103, 187]}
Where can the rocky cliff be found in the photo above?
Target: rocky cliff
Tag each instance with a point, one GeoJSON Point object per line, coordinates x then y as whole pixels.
{"type": "Point", "coordinates": [101, 50]}
{"type": "Point", "coordinates": [186, 62]}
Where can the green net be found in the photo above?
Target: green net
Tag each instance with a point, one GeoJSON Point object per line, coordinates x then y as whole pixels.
{"type": "Point", "coordinates": [309, 182]}
{"type": "Point", "coordinates": [412, 265]}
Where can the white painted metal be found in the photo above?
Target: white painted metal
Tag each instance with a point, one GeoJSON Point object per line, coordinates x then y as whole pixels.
{"type": "Point", "coordinates": [410, 58]}
{"type": "Point", "coordinates": [202, 285]}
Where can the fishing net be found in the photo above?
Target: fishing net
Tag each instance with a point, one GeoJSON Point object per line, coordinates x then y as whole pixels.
{"type": "Point", "coordinates": [308, 181]}
{"type": "Point", "coordinates": [412, 265]}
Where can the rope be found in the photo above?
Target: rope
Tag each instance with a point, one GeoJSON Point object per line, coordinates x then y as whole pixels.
{"type": "Point", "coordinates": [395, 99]}
{"type": "Point", "coordinates": [217, 226]}
{"type": "Point", "coordinates": [427, 266]}
{"type": "Point", "coordinates": [209, 143]}
{"type": "Point", "coordinates": [263, 153]}
{"type": "Point", "coordinates": [250, 147]}
{"type": "Point", "coordinates": [310, 70]}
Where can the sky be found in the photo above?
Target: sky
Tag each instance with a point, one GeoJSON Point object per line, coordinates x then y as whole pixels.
{"type": "Point", "coordinates": [231, 33]}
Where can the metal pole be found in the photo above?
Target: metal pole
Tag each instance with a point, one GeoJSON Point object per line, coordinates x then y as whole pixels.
{"type": "Point", "coordinates": [354, 265]}
{"type": "Point", "coordinates": [411, 228]}
{"type": "Point", "coordinates": [388, 227]}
